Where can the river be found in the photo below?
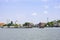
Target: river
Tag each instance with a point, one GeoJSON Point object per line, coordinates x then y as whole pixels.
{"type": "Point", "coordinates": [29, 33]}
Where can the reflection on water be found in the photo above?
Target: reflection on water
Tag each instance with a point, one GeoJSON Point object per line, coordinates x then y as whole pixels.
{"type": "Point", "coordinates": [30, 34]}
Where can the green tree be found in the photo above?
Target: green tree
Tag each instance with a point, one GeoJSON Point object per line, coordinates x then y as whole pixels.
{"type": "Point", "coordinates": [28, 25]}
{"type": "Point", "coordinates": [50, 24]}
{"type": "Point", "coordinates": [10, 24]}
{"type": "Point", "coordinates": [58, 21]}
{"type": "Point", "coordinates": [15, 25]}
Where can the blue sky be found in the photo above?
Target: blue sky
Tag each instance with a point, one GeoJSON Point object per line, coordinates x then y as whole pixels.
{"type": "Point", "coordinates": [34, 11]}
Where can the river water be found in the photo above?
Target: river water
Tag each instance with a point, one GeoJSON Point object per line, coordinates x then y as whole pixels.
{"type": "Point", "coordinates": [29, 33]}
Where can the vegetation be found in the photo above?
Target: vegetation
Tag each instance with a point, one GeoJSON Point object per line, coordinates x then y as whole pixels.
{"type": "Point", "coordinates": [26, 24]}
{"type": "Point", "coordinates": [58, 21]}
{"type": "Point", "coordinates": [15, 25]}
{"type": "Point", "coordinates": [30, 25]}
{"type": "Point", "coordinates": [50, 24]}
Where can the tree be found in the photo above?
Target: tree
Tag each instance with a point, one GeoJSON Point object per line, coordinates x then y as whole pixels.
{"type": "Point", "coordinates": [10, 24]}
{"type": "Point", "coordinates": [15, 25]}
{"type": "Point", "coordinates": [50, 24]}
{"type": "Point", "coordinates": [58, 21]}
{"type": "Point", "coordinates": [28, 25]}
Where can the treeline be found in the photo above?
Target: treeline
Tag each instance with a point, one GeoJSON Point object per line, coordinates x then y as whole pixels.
{"type": "Point", "coordinates": [55, 23]}
{"type": "Point", "coordinates": [15, 25]}
{"type": "Point", "coordinates": [31, 25]}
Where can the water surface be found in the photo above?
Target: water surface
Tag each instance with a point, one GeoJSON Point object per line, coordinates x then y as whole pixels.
{"type": "Point", "coordinates": [30, 34]}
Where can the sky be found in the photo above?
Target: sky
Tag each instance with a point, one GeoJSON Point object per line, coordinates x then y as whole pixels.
{"type": "Point", "coordinates": [34, 11]}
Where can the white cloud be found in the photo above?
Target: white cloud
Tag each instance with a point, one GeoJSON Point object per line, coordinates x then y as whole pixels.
{"type": "Point", "coordinates": [6, 0]}
{"type": "Point", "coordinates": [3, 0]}
{"type": "Point", "coordinates": [44, 0]}
{"type": "Point", "coordinates": [57, 6]}
{"type": "Point", "coordinates": [10, 0]}
{"type": "Point", "coordinates": [46, 6]}
{"type": "Point", "coordinates": [14, 0]}
{"type": "Point", "coordinates": [45, 12]}
{"type": "Point", "coordinates": [34, 14]}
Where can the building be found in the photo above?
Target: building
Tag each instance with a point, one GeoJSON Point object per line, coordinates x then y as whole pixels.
{"type": "Point", "coordinates": [2, 24]}
{"type": "Point", "coordinates": [55, 23]}
{"type": "Point", "coordinates": [59, 24]}
{"type": "Point", "coordinates": [41, 25]}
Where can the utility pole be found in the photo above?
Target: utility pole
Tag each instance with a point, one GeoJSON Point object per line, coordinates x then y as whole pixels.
{"type": "Point", "coordinates": [47, 20]}
{"type": "Point", "coordinates": [16, 21]}
{"type": "Point", "coordinates": [8, 20]}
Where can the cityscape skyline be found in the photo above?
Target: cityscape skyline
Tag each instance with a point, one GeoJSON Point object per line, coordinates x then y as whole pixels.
{"type": "Point", "coordinates": [34, 11]}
